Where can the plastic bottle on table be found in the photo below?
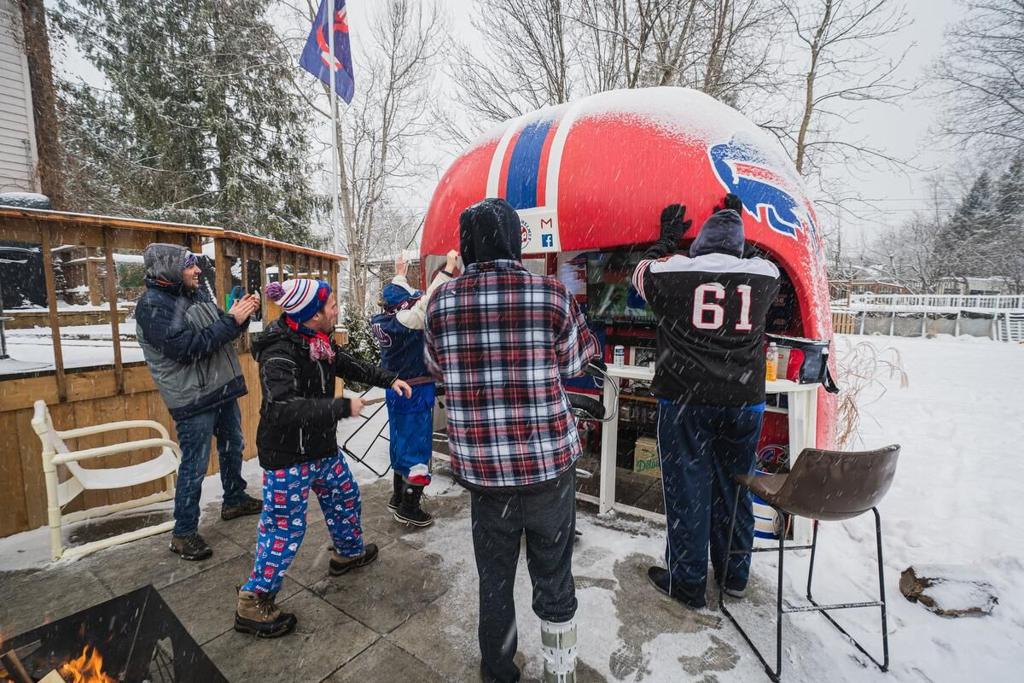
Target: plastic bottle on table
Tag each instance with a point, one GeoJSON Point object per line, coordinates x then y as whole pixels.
{"type": "Point", "coordinates": [771, 364]}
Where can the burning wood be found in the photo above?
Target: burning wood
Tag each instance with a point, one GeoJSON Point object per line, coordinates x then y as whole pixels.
{"type": "Point", "coordinates": [86, 668]}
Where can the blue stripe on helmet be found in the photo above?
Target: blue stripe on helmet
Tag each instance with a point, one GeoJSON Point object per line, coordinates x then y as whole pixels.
{"type": "Point", "coordinates": [524, 167]}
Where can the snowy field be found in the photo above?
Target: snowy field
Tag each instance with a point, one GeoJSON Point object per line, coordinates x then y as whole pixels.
{"type": "Point", "coordinates": [954, 502]}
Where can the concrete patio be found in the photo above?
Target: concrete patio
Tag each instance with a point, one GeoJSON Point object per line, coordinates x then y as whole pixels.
{"type": "Point", "coordinates": [410, 616]}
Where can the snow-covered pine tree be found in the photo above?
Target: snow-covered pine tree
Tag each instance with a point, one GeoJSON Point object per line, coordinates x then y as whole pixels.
{"type": "Point", "coordinates": [1007, 248]}
{"type": "Point", "coordinates": [196, 121]}
{"type": "Point", "coordinates": [961, 245]}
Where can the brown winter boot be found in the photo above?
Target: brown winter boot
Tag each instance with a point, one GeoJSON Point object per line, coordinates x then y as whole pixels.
{"type": "Point", "coordinates": [257, 614]}
{"type": "Point", "coordinates": [343, 565]}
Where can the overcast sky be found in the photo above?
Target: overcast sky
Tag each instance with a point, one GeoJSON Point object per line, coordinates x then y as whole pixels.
{"type": "Point", "coordinates": [903, 130]}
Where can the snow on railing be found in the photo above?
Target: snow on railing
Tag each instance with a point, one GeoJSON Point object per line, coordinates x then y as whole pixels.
{"type": "Point", "coordinates": [932, 302]}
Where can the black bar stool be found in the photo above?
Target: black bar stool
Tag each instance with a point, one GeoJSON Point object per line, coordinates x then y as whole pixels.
{"type": "Point", "coordinates": [823, 486]}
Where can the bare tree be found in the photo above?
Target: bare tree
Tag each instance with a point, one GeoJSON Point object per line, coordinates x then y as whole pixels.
{"type": "Point", "coordinates": [841, 69]}
{"type": "Point", "coordinates": [544, 52]}
{"type": "Point", "coordinates": [981, 75]}
{"type": "Point", "coordinates": [44, 101]}
{"type": "Point", "coordinates": [383, 132]}
{"type": "Point", "coordinates": [527, 61]}
{"type": "Point", "coordinates": [379, 133]}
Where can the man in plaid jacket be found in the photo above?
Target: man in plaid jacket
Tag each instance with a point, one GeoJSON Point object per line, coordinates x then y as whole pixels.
{"type": "Point", "coordinates": [501, 339]}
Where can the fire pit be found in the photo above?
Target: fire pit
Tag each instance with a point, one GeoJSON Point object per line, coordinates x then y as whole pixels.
{"type": "Point", "coordinates": [135, 638]}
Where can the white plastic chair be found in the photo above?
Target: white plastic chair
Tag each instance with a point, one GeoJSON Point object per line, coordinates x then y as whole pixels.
{"type": "Point", "coordinates": [58, 494]}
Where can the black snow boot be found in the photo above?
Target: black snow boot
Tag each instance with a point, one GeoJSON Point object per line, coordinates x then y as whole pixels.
{"type": "Point", "coordinates": [396, 493]}
{"type": "Point", "coordinates": [409, 510]}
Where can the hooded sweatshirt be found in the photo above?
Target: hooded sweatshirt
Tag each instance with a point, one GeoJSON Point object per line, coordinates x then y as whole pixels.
{"type": "Point", "coordinates": [185, 338]}
{"type": "Point", "coordinates": [711, 308]}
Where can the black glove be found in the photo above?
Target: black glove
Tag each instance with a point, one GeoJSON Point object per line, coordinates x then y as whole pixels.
{"type": "Point", "coordinates": [730, 201]}
{"type": "Point", "coordinates": [672, 224]}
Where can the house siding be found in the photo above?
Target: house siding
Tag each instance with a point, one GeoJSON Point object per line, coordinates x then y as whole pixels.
{"type": "Point", "coordinates": [17, 131]}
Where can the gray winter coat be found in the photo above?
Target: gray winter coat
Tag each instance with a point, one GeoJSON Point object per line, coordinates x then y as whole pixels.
{"type": "Point", "coordinates": [185, 338]}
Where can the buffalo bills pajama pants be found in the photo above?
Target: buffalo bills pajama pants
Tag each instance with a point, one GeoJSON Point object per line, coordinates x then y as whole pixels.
{"type": "Point", "coordinates": [283, 521]}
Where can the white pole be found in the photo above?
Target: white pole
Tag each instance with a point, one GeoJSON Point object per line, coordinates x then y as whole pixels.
{"type": "Point", "coordinates": [335, 160]}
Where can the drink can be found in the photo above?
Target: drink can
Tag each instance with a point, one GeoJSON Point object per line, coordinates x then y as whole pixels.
{"type": "Point", "coordinates": [619, 355]}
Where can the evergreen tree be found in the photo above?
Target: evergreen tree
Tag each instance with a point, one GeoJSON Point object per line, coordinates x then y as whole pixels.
{"type": "Point", "coordinates": [975, 208]}
{"type": "Point", "coordinates": [959, 249]}
{"type": "Point", "coordinates": [1007, 246]}
{"type": "Point", "coordinates": [197, 120]}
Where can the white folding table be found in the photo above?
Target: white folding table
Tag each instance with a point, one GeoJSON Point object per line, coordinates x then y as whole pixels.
{"type": "Point", "coordinates": [801, 411]}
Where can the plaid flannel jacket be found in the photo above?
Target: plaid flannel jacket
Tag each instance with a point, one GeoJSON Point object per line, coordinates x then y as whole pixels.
{"type": "Point", "coordinates": [499, 337]}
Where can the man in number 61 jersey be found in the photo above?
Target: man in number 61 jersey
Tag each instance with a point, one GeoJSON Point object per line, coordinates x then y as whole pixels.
{"type": "Point", "coordinates": [710, 382]}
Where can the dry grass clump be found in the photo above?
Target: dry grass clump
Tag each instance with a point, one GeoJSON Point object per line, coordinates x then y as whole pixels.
{"type": "Point", "coordinates": [862, 367]}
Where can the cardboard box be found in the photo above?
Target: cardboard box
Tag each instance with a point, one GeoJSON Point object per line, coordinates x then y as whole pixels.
{"type": "Point", "coordinates": [645, 457]}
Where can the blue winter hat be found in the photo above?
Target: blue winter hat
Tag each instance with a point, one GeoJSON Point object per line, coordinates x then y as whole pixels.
{"type": "Point", "coordinates": [722, 233]}
{"type": "Point", "coordinates": [395, 295]}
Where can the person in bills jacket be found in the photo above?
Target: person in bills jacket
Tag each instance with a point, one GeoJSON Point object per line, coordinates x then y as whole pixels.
{"type": "Point", "coordinates": [709, 379]}
{"type": "Point", "coordinates": [502, 339]}
{"type": "Point", "coordinates": [297, 444]}
{"type": "Point", "coordinates": [398, 331]}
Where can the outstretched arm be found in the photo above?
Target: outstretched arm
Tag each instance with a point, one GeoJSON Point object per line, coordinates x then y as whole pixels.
{"type": "Point", "coordinates": [415, 317]}
{"type": "Point", "coordinates": [672, 229]}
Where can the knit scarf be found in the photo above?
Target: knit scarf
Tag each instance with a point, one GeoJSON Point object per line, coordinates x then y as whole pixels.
{"type": "Point", "coordinates": [319, 343]}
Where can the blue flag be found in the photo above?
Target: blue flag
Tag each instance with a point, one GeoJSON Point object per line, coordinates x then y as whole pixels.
{"type": "Point", "coordinates": [316, 55]}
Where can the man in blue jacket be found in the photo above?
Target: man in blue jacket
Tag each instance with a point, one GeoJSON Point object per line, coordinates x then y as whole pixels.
{"type": "Point", "coordinates": [186, 340]}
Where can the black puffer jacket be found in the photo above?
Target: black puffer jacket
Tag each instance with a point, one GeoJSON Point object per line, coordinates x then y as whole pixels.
{"type": "Point", "coordinates": [299, 414]}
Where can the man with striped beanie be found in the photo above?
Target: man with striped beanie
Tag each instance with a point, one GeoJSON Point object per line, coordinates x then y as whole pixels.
{"type": "Point", "coordinates": [297, 444]}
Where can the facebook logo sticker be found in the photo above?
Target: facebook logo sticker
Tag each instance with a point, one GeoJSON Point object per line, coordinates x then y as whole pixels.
{"type": "Point", "coordinates": [547, 240]}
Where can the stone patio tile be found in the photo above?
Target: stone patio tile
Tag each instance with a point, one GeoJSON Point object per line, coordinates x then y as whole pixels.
{"type": "Point", "coordinates": [32, 598]}
{"type": "Point", "coordinates": [386, 593]}
{"type": "Point", "coordinates": [205, 603]}
{"type": "Point", "coordinates": [148, 561]}
{"type": "Point", "coordinates": [443, 635]}
{"type": "Point", "coordinates": [384, 661]}
{"type": "Point", "coordinates": [241, 531]}
{"type": "Point", "coordinates": [324, 640]}
{"type": "Point", "coordinates": [311, 563]}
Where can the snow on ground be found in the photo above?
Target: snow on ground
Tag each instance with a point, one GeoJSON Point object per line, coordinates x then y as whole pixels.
{"type": "Point", "coordinates": [954, 502]}
{"type": "Point", "coordinates": [97, 332]}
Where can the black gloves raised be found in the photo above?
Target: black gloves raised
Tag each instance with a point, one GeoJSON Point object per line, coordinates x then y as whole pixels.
{"type": "Point", "coordinates": [672, 224]}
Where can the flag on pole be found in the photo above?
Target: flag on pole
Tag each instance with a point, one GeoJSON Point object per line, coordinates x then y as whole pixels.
{"type": "Point", "coordinates": [316, 55]}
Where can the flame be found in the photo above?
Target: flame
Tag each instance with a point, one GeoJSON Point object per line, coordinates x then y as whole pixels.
{"type": "Point", "coordinates": [87, 668]}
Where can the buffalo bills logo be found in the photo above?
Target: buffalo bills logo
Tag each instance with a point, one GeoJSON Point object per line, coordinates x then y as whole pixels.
{"type": "Point", "coordinates": [767, 195]}
{"type": "Point", "coordinates": [382, 337]}
{"type": "Point", "coordinates": [340, 25]}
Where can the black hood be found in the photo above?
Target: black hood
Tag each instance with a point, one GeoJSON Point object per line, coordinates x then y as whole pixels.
{"type": "Point", "coordinates": [722, 233]}
{"type": "Point", "coordinates": [490, 230]}
{"type": "Point", "coordinates": [164, 261]}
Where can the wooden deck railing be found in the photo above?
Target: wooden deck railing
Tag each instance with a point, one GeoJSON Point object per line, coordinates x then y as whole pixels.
{"type": "Point", "coordinates": [115, 390]}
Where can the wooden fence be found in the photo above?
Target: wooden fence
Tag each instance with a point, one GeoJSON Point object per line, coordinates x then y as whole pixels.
{"type": "Point", "coordinates": [843, 322]}
{"type": "Point", "coordinates": [116, 390]}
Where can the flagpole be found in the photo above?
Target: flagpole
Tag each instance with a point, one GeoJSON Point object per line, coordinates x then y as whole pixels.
{"type": "Point", "coordinates": [335, 157]}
